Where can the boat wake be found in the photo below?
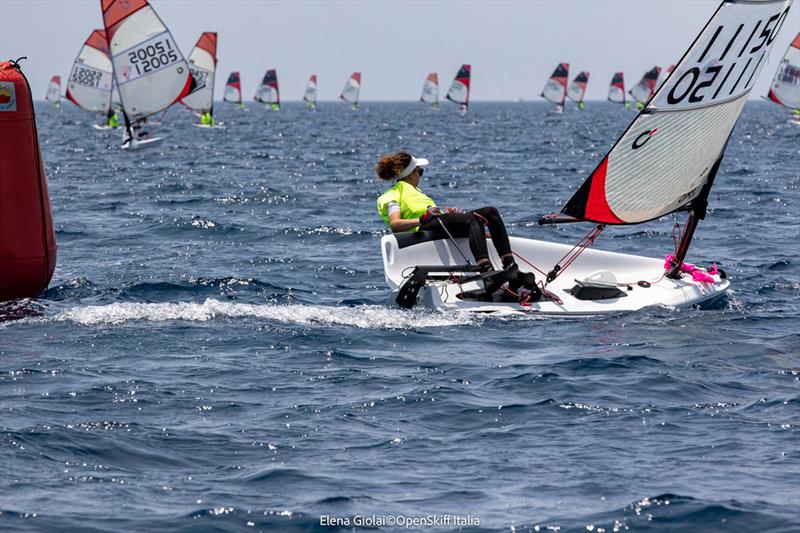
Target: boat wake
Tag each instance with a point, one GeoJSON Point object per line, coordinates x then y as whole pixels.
{"type": "Point", "coordinates": [363, 316]}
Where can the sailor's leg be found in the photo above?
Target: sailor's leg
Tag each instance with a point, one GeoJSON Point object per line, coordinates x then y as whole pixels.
{"type": "Point", "coordinates": [462, 225]}
{"type": "Point", "coordinates": [490, 216]}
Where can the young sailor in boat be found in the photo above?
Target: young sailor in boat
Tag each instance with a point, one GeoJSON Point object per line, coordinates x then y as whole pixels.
{"type": "Point", "coordinates": [112, 119]}
{"type": "Point", "coordinates": [404, 207]}
{"type": "Point", "coordinates": [206, 119]}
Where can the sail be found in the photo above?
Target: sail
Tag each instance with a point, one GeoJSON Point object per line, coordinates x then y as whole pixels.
{"type": "Point", "coordinates": [785, 88]}
{"type": "Point", "coordinates": [268, 91]}
{"type": "Point", "coordinates": [459, 89]}
{"type": "Point", "coordinates": [203, 65]}
{"type": "Point", "coordinates": [668, 154]}
{"type": "Point", "coordinates": [149, 69]}
{"type": "Point", "coordinates": [54, 90]}
{"type": "Point", "coordinates": [233, 89]}
{"type": "Point", "coordinates": [555, 90]}
{"type": "Point", "coordinates": [90, 81]}
{"type": "Point", "coordinates": [310, 96]}
{"type": "Point", "coordinates": [643, 90]}
{"type": "Point", "coordinates": [351, 89]}
{"type": "Point", "coordinates": [577, 89]}
{"type": "Point", "coordinates": [430, 89]}
{"type": "Point", "coordinates": [616, 91]}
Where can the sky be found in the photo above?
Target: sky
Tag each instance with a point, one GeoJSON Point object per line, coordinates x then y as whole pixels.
{"type": "Point", "coordinates": [513, 46]}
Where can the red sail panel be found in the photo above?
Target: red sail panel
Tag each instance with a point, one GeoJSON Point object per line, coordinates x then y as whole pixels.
{"type": "Point", "coordinates": [115, 11]}
{"type": "Point", "coordinates": [208, 42]}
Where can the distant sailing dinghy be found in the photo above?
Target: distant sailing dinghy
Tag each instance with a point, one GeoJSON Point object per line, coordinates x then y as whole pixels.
{"type": "Point", "coordinates": [459, 89]}
{"type": "Point", "coordinates": [430, 90]}
{"type": "Point", "coordinates": [53, 94]}
{"type": "Point", "coordinates": [644, 90]}
{"type": "Point", "coordinates": [555, 90]}
{"type": "Point", "coordinates": [616, 91]}
{"type": "Point", "coordinates": [149, 69]}
{"type": "Point", "coordinates": [91, 80]}
{"type": "Point", "coordinates": [351, 90]}
{"type": "Point", "coordinates": [577, 89]}
{"type": "Point", "coordinates": [203, 66]}
{"type": "Point", "coordinates": [233, 90]}
{"type": "Point", "coordinates": [268, 92]}
{"type": "Point", "coordinates": [785, 88]}
{"type": "Point", "coordinates": [310, 96]}
{"type": "Point", "coordinates": [665, 162]}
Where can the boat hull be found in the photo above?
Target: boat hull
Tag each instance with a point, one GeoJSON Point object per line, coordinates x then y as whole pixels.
{"type": "Point", "coordinates": [641, 280]}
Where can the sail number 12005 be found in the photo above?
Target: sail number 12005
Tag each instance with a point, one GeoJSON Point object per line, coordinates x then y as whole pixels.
{"type": "Point", "coordinates": [153, 56]}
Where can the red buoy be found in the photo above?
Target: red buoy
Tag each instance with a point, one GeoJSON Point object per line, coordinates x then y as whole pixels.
{"type": "Point", "coordinates": [27, 239]}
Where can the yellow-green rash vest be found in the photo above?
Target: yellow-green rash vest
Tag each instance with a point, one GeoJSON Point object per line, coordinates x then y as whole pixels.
{"type": "Point", "coordinates": [412, 201]}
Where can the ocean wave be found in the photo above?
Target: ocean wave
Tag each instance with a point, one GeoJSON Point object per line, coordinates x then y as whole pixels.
{"type": "Point", "coordinates": [364, 316]}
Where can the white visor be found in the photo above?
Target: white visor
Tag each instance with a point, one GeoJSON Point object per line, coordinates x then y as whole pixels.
{"type": "Point", "coordinates": [421, 162]}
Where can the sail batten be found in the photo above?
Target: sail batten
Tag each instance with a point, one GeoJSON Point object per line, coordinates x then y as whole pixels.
{"type": "Point", "coordinates": [663, 160]}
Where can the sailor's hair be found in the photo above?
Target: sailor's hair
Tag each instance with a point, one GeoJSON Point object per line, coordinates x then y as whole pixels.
{"type": "Point", "coordinates": [392, 165]}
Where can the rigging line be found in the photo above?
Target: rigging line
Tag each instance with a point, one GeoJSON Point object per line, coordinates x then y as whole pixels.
{"type": "Point", "coordinates": [439, 220]}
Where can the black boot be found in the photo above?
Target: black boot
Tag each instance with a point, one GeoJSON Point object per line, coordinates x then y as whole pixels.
{"type": "Point", "coordinates": [494, 278]}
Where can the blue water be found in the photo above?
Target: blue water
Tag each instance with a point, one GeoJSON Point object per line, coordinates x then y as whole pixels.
{"type": "Point", "coordinates": [214, 352]}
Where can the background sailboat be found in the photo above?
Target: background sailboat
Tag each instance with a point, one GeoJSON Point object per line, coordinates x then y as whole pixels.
{"type": "Point", "coordinates": [53, 94]}
{"type": "Point", "coordinates": [616, 90]}
{"type": "Point", "coordinates": [268, 92]}
{"type": "Point", "coordinates": [233, 89]}
{"type": "Point", "coordinates": [555, 90]}
{"type": "Point", "coordinates": [91, 79]}
{"type": "Point", "coordinates": [459, 89]}
{"type": "Point", "coordinates": [352, 89]}
{"type": "Point", "coordinates": [430, 90]}
{"type": "Point", "coordinates": [577, 89]}
{"type": "Point", "coordinates": [785, 88]}
{"type": "Point", "coordinates": [149, 69]}
{"type": "Point", "coordinates": [310, 95]}
{"type": "Point", "coordinates": [643, 91]}
{"type": "Point", "coordinates": [203, 65]}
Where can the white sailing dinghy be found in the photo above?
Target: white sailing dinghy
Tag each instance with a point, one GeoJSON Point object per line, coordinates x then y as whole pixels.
{"type": "Point", "coordinates": [664, 162]}
{"type": "Point", "coordinates": [310, 96]}
{"type": "Point", "coordinates": [644, 90]}
{"type": "Point", "coordinates": [430, 90]}
{"type": "Point", "coordinates": [577, 89]}
{"type": "Point", "coordinates": [459, 89]}
{"type": "Point", "coordinates": [233, 90]}
{"type": "Point", "coordinates": [785, 88]}
{"type": "Point", "coordinates": [351, 90]}
{"type": "Point", "coordinates": [616, 90]}
{"type": "Point", "coordinates": [203, 66]}
{"type": "Point", "coordinates": [53, 94]}
{"type": "Point", "coordinates": [149, 69]}
{"type": "Point", "coordinates": [90, 82]}
{"type": "Point", "coordinates": [268, 93]}
{"type": "Point", "coordinates": [555, 90]}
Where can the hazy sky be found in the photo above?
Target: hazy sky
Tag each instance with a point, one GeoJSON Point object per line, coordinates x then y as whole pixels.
{"type": "Point", "coordinates": [512, 46]}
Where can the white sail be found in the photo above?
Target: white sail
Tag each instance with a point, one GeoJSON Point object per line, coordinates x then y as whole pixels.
{"type": "Point", "coordinates": [430, 89]}
{"type": "Point", "coordinates": [149, 69]}
{"type": "Point", "coordinates": [785, 88]}
{"type": "Point", "coordinates": [577, 89]}
{"type": "Point", "coordinates": [310, 96]}
{"type": "Point", "coordinates": [668, 154]}
{"type": "Point", "coordinates": [459, 89]}
{"type": "Point", "coordinates": [643, 90]}
{"type": "Point", "coordinates": [268, 91]}
{"type": "Point", "coordinates": [90, 81]}
{"type": "Point", "coordinates": [616, 91]}
{"type": "Point", "coordinates": [233, 89]}
{"type": "Point", "coordinates": [54, 90]}
{"type": "Point", "coordinates": [203, 65]}
{"type": "Point", "coordinates": [555, 90]}
{"type": "Point", "coordinates": [351, 89]}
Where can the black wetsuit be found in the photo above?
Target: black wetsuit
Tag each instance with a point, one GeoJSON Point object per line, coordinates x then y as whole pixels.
{"type": "Point", "coordinates": [473, 224]}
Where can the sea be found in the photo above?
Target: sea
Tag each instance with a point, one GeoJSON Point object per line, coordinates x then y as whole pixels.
{"type": "Point", "coordinates": [216, 351]}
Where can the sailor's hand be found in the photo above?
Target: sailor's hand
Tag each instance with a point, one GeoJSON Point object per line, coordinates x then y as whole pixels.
{"type": "Point", "coordinates": [453, 209]}
{"type": "Point", "coordinates": [429, 215]}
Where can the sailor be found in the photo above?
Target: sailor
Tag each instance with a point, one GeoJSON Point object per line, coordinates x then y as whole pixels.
{"type": "Point", "coordinates": [112, 119]}
{"type": "Point", "coordinates": [206, 119]}
{"type": "Point", "coordinates": [404, 207]}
